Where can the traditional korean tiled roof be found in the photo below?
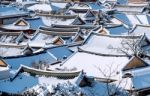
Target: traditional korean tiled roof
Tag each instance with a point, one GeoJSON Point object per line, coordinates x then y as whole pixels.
{"type": "Point", "coordinates": [35, 23]}
{"type": "Point", "coordinates": [123, 18]}
{"type": "Point", "coordinates": [95, 6]}
{"type": "Point", "coordinates": [108, 44]}
{"type": "Point", "coordinates": [10, 11]}
{"type": "Point", "coordinates": [140, 30]}
{"type": "Point", "coordinates": [61, 52]}
{"type": "Point", "coordinates": [117, 30]}
{"type": "Point", "coordinates": [30, 60]}
{"type": "Point", "coordinates": [122, 2]}
{"type": "Point", "coordinates": [25, 24]}
{"type": "Point", "coordinates": [129, 8]}
{"type": "Point", "coordinates": [95, 65]}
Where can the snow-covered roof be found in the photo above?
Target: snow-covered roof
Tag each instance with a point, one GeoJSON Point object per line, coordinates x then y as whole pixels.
{"type": "Point", "coordinates": [20, 84]}
{"type": "Point", "coordinates": [133, 19]}
{"type": "Point", "coordinates": [109, 45]}
{"type": "Point", "coordinates": [144, 19]}
{"type": "Point", "coordinates": [140, 78]}
{"type": "Point", "coordinates": [89, 15]}
{"type": "Point", "coordinates": [95, 6]}
{"type": "Point", "coordinates": [41, 39]}
{"type": "Point", "coordinates": [59, 4]}
{"type": "Point", "coordinates": [123, 18]}
{"type": "Point", "coordinates": [60, 52]}
{"type": "Point", "coordinates": [25, 24]}
{"type": "Point", "coordinates": [35, 23]}
{"type": "Point", "coordinates": [7, 38]}
{"type": "Point", "coordinates": [129, 8]}
{"type": "Point", "coordinates": [95, 65]}
{"type": "Point", "coordinates": [12, 27]}
{"type": "Point", "coordinates": [15, 62]}
{"type": "Point", "coordinates": [19, 24]}
{"type": "Point", "coordinates": [10, 51]}
{"type": "Point", "coordinates": [117, 30]}
{"type": "Point", "coordinates": [44, 85]}
{"type": "Point", "coordinates": [47, 7]}
{"type": "Point", "coordinates": [41, 7]}
{"type": "Point", "coordinates": [59, 29]}
{"type": "Point", "coordinates": [51, 38]}
{"type": "Point", "coordinates": [123, 2]}
{"type": "Point", "coordinates": [28, 3]}
{"type": "Point", "coordinates": [10, 11]}
{"type": "Point", "coordinates": [74, 26]}
{"type": "Point", "coordinates": [141, 30]}
{"type": "Point", "coordinates": [48, 21]}
{"type": "Point", "coordinates": [81, 6]}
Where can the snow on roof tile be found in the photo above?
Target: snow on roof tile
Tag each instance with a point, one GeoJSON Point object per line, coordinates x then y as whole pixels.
{"type": "Point", "coordinates": [35, 23]}
{"type": "Point", "coordinates": [95, 6]}
{"type": "Point", "coordinates": [123, 18]}
{"type": "Point", "coordinates": [19, 85]}
{"type": "Point", "coordinates": [129, 8]}
{"type": "Point", "coordinates": [10, 11]}
{"type": "Point", "coordinates": [141, 30]}
{"type": "Point", "coordinates": [15, 62]}
{"type": "Point", "coordinates": [117, 30]}
{"type": "Point", "coordinates": [60, 52]}
{"type": "Point", "coordinates": [108, 45]}
{"type": "Point", "coordinates": [95, 65]}
{"type": "Point", "coordinates": [122, 1]}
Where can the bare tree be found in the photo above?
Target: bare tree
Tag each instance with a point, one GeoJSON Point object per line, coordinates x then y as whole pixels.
{"type": "Point", "coordinates": [112, 89]}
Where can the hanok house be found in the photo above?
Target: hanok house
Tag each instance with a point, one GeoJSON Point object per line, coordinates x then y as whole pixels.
{"type": "Point", "coordinates": [9, 14]}
{"type": "Point", "coordinates": [27, 25]}
{"type": "Point", "coordinates": [138, 70]}
{"type": "Point", "coordinates": [141, 82]}
{"type": "Point", "coordinates": [139, 30]}
{"type": "Point", "coordinates": [4, 70]}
